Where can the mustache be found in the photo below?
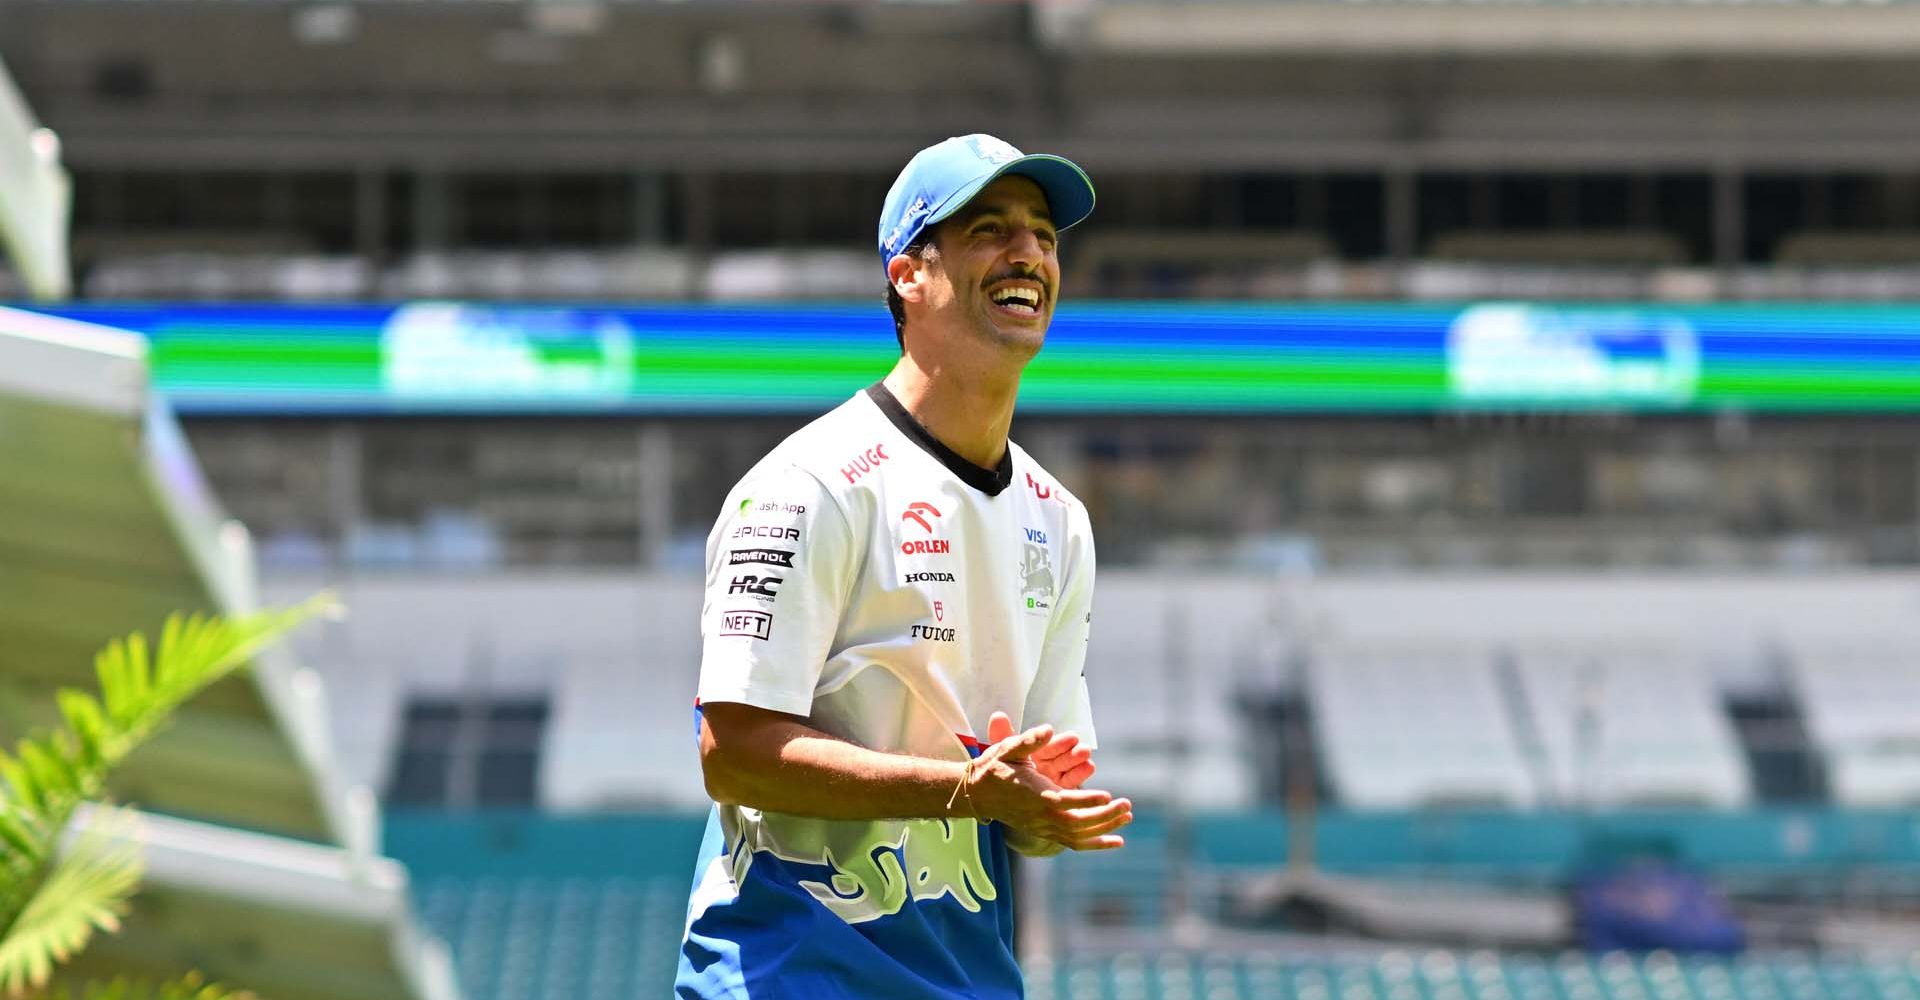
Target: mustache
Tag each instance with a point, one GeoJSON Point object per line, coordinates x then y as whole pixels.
{"type": "Point", "coordinates": [1030, 274]}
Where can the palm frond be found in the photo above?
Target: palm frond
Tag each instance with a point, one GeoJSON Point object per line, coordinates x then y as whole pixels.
{"type": "Point", "coordinates": [188, 987]}
{"type": "Point", "coordinates": [87, 890]}
{"type": "Point", "coordinates": [48, 775]}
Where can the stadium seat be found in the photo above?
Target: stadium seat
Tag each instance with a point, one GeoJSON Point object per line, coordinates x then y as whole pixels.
{"type": "Point", "coordinates": [1447, 975]}
{"type": "Point", "coordinates": [1415, 728]}
{"type": "Point", "coordinates": [1624, 247]}
{"type": "Point", "coordinates": [1859, 703]}
{"type": "Point", "coordinates": [542, 938]}
{"type": "Point", "coordinates": [1659, 734]}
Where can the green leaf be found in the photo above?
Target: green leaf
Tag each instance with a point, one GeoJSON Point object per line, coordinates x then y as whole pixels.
{"type": "Point", "coordinates": [110, 667]}
{"type": "Point", "coordinates": [49, 780]}
{"type": "Point", "coordinates": [87, 890]}
{"type": "Point", "coordinates": [191, 986]}
{"type": "Point", "coordinates": [49, 775]}
{"type": "Point", "coordinates": [52, 903]}
{"type": "Point", "coordinates": [138, 677]}
{"type": "Point", "coordinates": [22, 790]}
{"type": "Point", "coordinates": [86, 722]}
{"type": "Point", "coordinates": [20, 840]}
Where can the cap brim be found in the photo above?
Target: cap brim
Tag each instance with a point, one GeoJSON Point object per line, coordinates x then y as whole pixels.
{"type": "Point", "coordinates": [1068, 189]}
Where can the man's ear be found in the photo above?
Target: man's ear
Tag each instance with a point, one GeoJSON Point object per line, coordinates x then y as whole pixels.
{"type": "Point", "coordinates": [908, 276]}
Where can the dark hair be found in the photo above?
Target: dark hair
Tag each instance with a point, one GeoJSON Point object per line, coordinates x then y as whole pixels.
{"type": "Point", "coordinates": [923, 249]}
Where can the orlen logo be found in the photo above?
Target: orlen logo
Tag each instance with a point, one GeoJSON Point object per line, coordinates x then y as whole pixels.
{"type": "Point", "coordinates": [864, 462]}
{"type": "Point", "coordinates": [918, 512]}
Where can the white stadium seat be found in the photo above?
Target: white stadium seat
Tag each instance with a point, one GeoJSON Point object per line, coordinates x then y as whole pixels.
{"type": "Point", "coordinates": [1415, 728]}
{"type": "Point", "coordinates": [1860, 705]}
{"type": "Point", "coordinates": [1632, 728]}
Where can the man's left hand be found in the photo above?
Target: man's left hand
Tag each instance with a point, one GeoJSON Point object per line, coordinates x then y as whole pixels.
{"type": "Point", "coordinates": [1062, 760]}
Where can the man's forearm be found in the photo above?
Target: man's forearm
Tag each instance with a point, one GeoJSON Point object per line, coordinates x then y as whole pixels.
{"type": "Point", "coordinates": [789, 767]}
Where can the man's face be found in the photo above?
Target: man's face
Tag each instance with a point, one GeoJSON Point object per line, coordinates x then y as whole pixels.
{"type": "Point", "coordinates": [998, 265]}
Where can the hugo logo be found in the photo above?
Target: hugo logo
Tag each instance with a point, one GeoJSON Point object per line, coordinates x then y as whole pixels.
{"type": "Point", "coordinates": [916, 509]}
{"type": "Point", "coordinates": [864, 462]}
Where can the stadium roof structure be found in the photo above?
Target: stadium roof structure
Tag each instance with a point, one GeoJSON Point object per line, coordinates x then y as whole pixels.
{"type": "Point", "coordinates": [106, 526]}
{"type": "Point", "coordinates": [286, 919]}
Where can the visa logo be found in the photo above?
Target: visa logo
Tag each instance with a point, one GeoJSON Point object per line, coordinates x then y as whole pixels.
{"type": "Point", "coordinates": [1036, 536]}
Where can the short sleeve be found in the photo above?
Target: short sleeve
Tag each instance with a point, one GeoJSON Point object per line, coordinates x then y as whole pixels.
{"type": "Point", "coordinates": [780, 564]}
{"type": "Point", "coordinates": [1059, 693]}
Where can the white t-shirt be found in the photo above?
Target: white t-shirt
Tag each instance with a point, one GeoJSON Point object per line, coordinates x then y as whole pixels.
{"type": "Point", "coordinates": [865, 577]}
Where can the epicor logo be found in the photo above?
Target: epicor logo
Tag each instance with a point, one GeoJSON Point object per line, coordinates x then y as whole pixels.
{"type": "Point", "coordinates": [864, 462]}
{"type": "Point", "coordinates": [773, 531]}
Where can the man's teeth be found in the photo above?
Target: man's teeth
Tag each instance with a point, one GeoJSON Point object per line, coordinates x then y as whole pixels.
{"type": "Point", "coordinates": [1026, 297]}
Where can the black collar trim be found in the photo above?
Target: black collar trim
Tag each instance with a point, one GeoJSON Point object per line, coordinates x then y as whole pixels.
{"type": "Point", "coordinates": [989, 481]}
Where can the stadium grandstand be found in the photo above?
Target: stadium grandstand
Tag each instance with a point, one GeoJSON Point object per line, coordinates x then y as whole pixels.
{"type": "Point", "coordinates": [1499, 419]}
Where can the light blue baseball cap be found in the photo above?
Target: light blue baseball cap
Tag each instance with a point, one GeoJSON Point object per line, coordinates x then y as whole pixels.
{"type": "Point", "coordinates": [946, 175]}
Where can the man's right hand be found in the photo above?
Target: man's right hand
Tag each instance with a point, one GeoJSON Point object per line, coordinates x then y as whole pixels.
{"type": "Point", "coordinates": [1003, 784]}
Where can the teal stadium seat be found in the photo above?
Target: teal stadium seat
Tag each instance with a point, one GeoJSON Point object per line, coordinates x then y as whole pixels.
{"type": "Point", "coordinates": [1446, 975]}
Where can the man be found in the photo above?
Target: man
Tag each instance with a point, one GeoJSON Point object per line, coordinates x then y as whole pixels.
{"type": "Point", "coordinates": [890, 594]}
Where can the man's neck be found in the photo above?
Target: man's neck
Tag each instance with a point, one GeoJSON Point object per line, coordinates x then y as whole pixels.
{"type": "Point", "coordinates": [968, 411]}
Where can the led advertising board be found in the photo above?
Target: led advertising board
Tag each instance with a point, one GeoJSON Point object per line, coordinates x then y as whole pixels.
{"type": "Point", "coordinates": [1106, 357]}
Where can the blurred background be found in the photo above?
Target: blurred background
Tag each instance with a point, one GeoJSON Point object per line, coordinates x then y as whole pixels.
{"type": "Point", "coordinates": [1500, 421]}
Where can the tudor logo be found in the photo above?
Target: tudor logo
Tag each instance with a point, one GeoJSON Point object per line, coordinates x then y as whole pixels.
{"type": "Point", "coordinates": [915, 512]}
{"type": "Point", "coordinates": [864, 462]}
{"type": "Point", "coordinates": [939, 612]}
{"type": "Point", "coordinates": [931, 632]}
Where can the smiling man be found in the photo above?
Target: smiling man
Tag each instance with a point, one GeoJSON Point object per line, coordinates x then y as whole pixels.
{"type": "Point", "coordinates": [898, 599]}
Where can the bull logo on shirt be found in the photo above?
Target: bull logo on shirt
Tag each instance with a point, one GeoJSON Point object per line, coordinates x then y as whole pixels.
{"type": "Point", "coordinates": [1036, 578]}
{"type": "Point", "coordinates": [877, 867]}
